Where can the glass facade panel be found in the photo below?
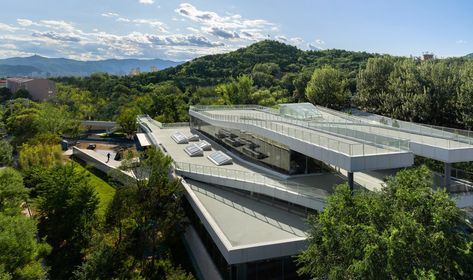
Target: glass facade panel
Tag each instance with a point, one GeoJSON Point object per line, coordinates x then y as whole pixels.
{"type": "Point", "coordinates": [259, 149]}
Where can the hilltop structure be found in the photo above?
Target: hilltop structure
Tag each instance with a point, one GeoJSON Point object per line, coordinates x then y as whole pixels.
{"type": "Point", "coordinates": [252, 174]}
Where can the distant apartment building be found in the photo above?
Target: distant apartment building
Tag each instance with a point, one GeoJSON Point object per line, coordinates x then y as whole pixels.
{"type": "Point", "coordinates": [427, 56]}
{"type": "Point", "coordinates": [40, 89]}
{"type": "Point", "coordinates": [3, 83]}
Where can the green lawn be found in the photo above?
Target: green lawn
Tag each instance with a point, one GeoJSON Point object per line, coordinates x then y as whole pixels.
{"type": "Point", "coordinates": [104, 191]}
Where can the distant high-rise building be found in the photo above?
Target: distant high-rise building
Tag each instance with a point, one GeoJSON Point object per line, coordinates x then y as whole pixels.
{"type": "Point", "coordinates": [154, 69]}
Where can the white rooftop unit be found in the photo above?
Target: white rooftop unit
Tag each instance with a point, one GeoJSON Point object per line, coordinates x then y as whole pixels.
{"type": "Point", "coordinates": [193, 138]}
{"type": "Point", "coordinates": [220, 158]}
{"type": "Point", "coordinates": [204, 145]}
{"type": "Point", "coordinates": [193, 150]}
{"type": "Point", "coordinates": [180, 138]}
{"type": "Point", "coordinates": [143, 140]}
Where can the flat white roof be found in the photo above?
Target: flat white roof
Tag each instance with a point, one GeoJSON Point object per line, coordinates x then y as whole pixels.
{"type": "Point", "coordinates": [243, 228]}
{"type": "Point", "coordinates": [144, 142]}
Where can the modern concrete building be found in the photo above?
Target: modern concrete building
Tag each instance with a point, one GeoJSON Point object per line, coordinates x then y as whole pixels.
{"type": "Point", "coordinates": [252, 175]}
{"type": "Point", "coordinates": [40, 89]}
{"type": "Point", "coordinates": [3, 83]}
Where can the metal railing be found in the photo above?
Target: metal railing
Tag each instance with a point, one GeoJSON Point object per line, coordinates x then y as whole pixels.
{"type": "Point", "coordinates": [302, 130]}
{"type": "Point", "coordinates": [252, 177]}
{"type": "Point", "coordinates": [158, 124]}
{"type": "Point", "coordinates": [402, 130]}
{"type": "Point", "coordinates": [454, 136]}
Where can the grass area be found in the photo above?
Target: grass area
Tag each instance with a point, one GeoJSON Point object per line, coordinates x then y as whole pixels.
{"type": "Point", "coordinates": [104, 191]}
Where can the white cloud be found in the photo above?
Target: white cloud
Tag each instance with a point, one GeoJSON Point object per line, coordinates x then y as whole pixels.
{"type": "Point", "coordinates": [8, 28]}
{"type": "Point", "coordinates": [24, 22]}
{"type": "Point", "coordinates": [320, 42]}
{"type": "Point", "coordinates": [313, 47]}
{"type": "Point", "coordinates": [57, 36]}
{"type": "Point", "coordinates": [147, 2]}
{"type": "Point", "coordinates": [229, 26]}
{"type": "Point", "coordinates": [110, 14]}
{"type": "Point", "coordinates": [203, 32]}
{"type": "Point", "coordinates": [150, 22]}
{"type": "Point", "coordinates": [461, 42]}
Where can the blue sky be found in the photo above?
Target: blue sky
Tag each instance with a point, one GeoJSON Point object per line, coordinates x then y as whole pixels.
{"type": "Point", "coordinates": [180, 30]}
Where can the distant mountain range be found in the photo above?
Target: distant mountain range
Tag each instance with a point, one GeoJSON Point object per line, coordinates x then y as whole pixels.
{"type": "Point", "coordinates": [469, 55]}
{"type": "Point", "coordinates": [42, 66]}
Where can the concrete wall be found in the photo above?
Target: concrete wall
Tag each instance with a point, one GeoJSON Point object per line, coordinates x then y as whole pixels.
{"type": "Point", "coordinates": [102, 166]}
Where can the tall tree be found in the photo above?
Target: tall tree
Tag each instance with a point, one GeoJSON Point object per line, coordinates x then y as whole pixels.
{"type": "Point", "coordinates": [12, 191]}
{"type": "Point", "coordinates": [406, 231]}
{"type": "Point", "coordinates": [407, 98]}
{"type": "Point", "coordinates": [328, 87]}
{"type": "Point", "coordinates": [20, 252]}
{"type": "Point", "coordinates": [127, 120]}
{"type": "Point", "coordinates": [465, 95]}
{"type": "Point", "coordinates": [143, 221]}
{"type": "Point", "coordinates": [6, 153]}
{"type": "Point", "coordinates": [66, 207]}
{"type": "Point", "coordinates": [237, 91]}
{"type": "Point", "coordinates": [372, 83]}
{"type": "Point", "coordinates": [21, 255]}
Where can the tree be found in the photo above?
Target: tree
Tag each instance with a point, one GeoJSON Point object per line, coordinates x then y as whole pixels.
{"type": "Point", "coordinates": [127, 120]}
{"type": "Point", "coordinates": [372, 83]}
{"type": "Point", "coordinates": [406, 231]}
{"type": "Point", "coordinates": [169, 103]}
{"type": "Point", "coordinates": [66, 207]}
{"type": "Point", "coordinates": [12, 191]}
{"type": "Point", "coordinates": [328, 87]}
{"type": "Point", "coordinates": [40, 154]}
{"type": "Point", "coordinates": [407, 98]}
{"type": "Point", "coordinates": [465, 95]}
{"type": "Point", "coordinates": [5, 94]}
{"type": "Point", "coordinates": [143, 222]}
{"type": "Point", "coordinates": [22, 93]}
{"type": "Point", "coordinates": [21, 255]}
{"type": "Point", "coordinates": [6, 153]}
{"type": "Point", "coordinates": [55, 120]}
{"type": "Point", "coordinates": [237, 91]}
{"type": "Point", "coordinates": [21, 119]}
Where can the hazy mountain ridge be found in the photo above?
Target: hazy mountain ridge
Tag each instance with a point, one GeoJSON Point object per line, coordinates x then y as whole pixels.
{"type": "Point", "coordinates": [42, 66]}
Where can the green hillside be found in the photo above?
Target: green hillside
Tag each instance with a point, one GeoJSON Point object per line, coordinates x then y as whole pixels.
{"type": "Point", "coordinates": [214, 69]}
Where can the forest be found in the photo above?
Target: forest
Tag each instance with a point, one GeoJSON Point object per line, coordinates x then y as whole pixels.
{"type": "Point", "coordinates": [437, 91]}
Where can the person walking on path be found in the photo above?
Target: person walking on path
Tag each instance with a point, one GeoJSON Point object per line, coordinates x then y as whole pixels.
{"type": "Point", "coordinates": [108, 157]}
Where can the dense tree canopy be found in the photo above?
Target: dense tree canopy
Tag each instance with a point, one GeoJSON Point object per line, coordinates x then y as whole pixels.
{"type": "Point", "coordinates": [21, 254]}
{"type": "Point", "coordinates": [142, 222]}
{"type": "Point", "coordinates": [6, 153]}
{"type": "Point", "coordinates": [328, 87]}
{"type": "Point", "coordinates": [406, 231]}
{"type": "Point", "coordinates": [66, 206]}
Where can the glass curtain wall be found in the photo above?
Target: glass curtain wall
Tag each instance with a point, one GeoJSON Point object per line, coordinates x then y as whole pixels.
{"type": "Point", "coordinates": [259, 149]}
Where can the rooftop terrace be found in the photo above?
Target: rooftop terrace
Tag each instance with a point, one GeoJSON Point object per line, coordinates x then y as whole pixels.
{"type": "Point", "coordinates": [363, 151]}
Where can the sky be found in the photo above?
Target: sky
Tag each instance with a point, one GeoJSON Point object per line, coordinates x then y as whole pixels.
{"type": "Point", "coordinates": [182, 30]}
